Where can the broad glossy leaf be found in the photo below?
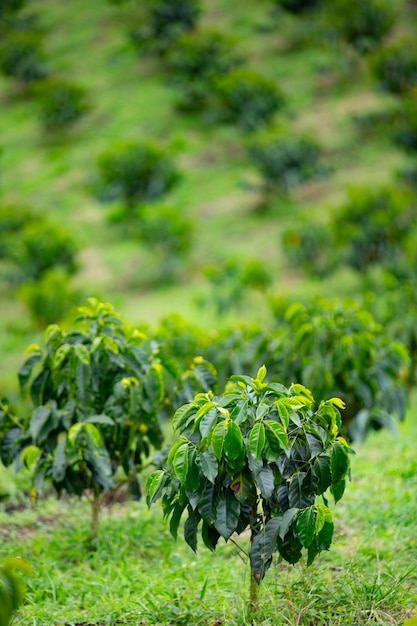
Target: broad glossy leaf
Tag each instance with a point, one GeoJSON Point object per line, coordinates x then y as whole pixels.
{"type": "Point", "coordinates": [312, 552]}
{"type": "Point", "coordinates": [175, 520]}
{"type": "Point", "coordinates": [325, 536]}
{"type": "Point", "coordinates": [191, 527]}
{"type": "Point", "coordinates": [210, 536]}
{"type": "Point", "coordinates": [180, 462]}
{"type": "Point", "coordinates": [257, 440]}
{"type": "Point", "coordinates": [321, 470]}
{"type": "Point", "coordinates": [314, 444]}
{"type": "Point", "coordinates": [153, 485]}
{"type": "Point", "coordinates": [286, 521]}
{"type": "Point", "coordinates": [338, 489]}
{"type": "Point", "coordinates": [208, 504]}
{"type": "Point", "coordinates": [173, 450]}
{"type": "Point", "coordinates": [184, 416]}
{"type": "Point", "coordinates": [217, 439]}
{"type": "Point", "coordinates": [339, 461]}
{"type": "Point", "coordinates": [263, 547]}
{"type": "Point", "coordinates": [30, 455]}
{"type": "Point", "coordinates": [207, 422]}
{"type": "Point", "coordinates": [39, 422]}
{"type": "Point", "coordinates": [278, 432]}
{"type": "Point", "coordinates": [27, 367]}
{"type": "Point", "coordinates": [323, 514]}
{"type": "Point", "coordinates": [209, 465]}
{"type": "Point", "coordinates": [297, 496]}
{"type": "Point", "coordinates": [227, 516]}
{"type": "Point", "coordinates": [265, 481]}
{"type": "Point", "coordinates": [262, 409]}
{"type": "Point", "coordinates": [290, 547]}
{"type": "Point", "coordinates": [306, 525]}
{"type": "Point", "coordinates": [233, 442]}
{"type": "Point", "coordinates": [81, 353]}
{"type": "Point", "coordinates": [99, 419]}
{"type": "Point", "coordinates": [239, 413]}
{"type": "Point", "coordinates": [283, 413]}
{"type": "Point", "coordinates": [60, 462]}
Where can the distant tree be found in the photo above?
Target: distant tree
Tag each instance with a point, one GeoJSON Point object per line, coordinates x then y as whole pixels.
{"type": "Point", "coordinates": [60, 103]}
{"type": "Point", "coordinates": [22, 56]}
{"type": "Point", "coordinates": [395, 66]}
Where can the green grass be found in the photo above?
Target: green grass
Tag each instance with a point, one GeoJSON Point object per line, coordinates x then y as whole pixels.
{"type": "Point", "coordinates": [140, 575]}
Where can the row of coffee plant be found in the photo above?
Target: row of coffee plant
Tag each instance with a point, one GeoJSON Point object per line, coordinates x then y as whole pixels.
{"type": "Point", "coordinates": [23, 59]}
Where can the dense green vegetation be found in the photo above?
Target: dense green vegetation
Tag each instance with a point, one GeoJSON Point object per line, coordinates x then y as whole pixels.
{"type": "Point", "coordinates": [238, 180]}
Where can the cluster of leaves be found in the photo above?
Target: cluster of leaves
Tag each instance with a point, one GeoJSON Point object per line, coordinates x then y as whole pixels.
{"type": "Point", "coordinates": [136, 172]}
{"type": "Point", "coordinates": [11, 588]}
{"type": "Point", "coordinates": [284, 160]}
{"type": "Point", "coordinates": [257, 456]}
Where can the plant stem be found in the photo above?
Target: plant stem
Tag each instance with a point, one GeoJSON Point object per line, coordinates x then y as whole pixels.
{"type": "Point", "coordinates": [254, 586]}
{"type": "Point", "coordinates": [95, 517]}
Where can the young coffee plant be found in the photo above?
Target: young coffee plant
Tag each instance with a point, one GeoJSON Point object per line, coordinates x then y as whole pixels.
{"type": "Point", "coordinates": [136, 172]}
{"type": "Point", "coordinates": [256, 457]}
{"type": "Point", "coordinates": [375, 227]}
{"type": "Point", "coordinates": [96, 393]}
{"type": "Point", "coordinates": [247, 98]}
{"type": "Point", "coordinates": [337, 348]}
{"type": "Point", "coordinates": [32, 244]}
{"type": "Point", "coordinates": [284, 160]}
{"type": "Point", "coordinates": [60, 103]}
{"type": "Point", "coordinates": [362, 25]}
{"type": "Point", "coordinates": [196, 61]}
{"type": "Point", "coordinates": [11, 588]}
{"type": "Point", "coordinates": [395, 67]}
{"type": "Point", "coordinates": [22, 56]}
{"type": "Point", "coordinates": [164, 22]}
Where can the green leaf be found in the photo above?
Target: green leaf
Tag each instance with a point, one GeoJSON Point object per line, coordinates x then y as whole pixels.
{"type": "Point", "coordinates": [82, 353]}
{"type": "Point", "coordinates": [176, 519]}
{"type": "Point", "coordinates": [60, 355]}
{"type": "Point", "coordinates": [208, 504]}
{"type": "Point", "coordinates": [324, 514]}
{"type": "Point", "coordinates": [338, 490]}
{"type": "Point", "coordinates": [337, 402]}
{"type": "Point", "coordinates": [339, 461]}
{"type": "Point", "coordinates": [227, 516]}
{"type": "Point", "coordinates": [217, 439]}
{"type": "Point", "coordinates": [38, 422]}
{"type": "Point", "coordinates": [296, 494]}
{"type": "Point", "coordinates": [239, 413]}
{"type": "Point", "coordinates": [321, 469]}
{"type": "Point", "coordinates": [99, 419]}
{"type": "Point", "coordinates": [263, 547]}
{"type": "Point", "coordinates": [325, 536]}
{"type": "Point", "coordinates": [173, 450]}
{"type": "Point", "coordinates": [29, 456]}
{"type": "Point", "coordinates": [306, 525]}
{"type": "Point", "coordinates": [183, 416]}
{"type": "Point", "coordinates": [279, 433]}
{"type": "Point", "coordinates": [207, 422]}
{"type": "Point", "coordinates": [26, 369]}
{"type": "Point", "coordinates": [257, 440]}
{"type": "Point", "coordinates": [180, 462]}
{"type": "Point", "coordinates": [153, 486]}
{"type": "Point", "coordinates": [233, 442]}
{"type": "Point", "coordinates": [210, 536]}
{"type": "Point", "coordinates": [265, 481]}
{"type": "Point", "coordinates": [60, 462]}
{"type": "Point", "coordinates": [286, 521]}
{"type": "Point", "coordinates": [261, 410]}
{"type": "Point", "coordinates": [260, 376]}
{"type": "Point", "coordinates": [283, 413]}
{"type": "Point", "coordinates": [209, 465]}
{"type": "Point", "coordinates": [191, 527]}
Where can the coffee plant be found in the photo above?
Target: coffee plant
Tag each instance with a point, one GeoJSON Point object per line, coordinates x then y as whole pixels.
{"type": "Point", "coordinates": [136, 172]}
{"type": "Point", "coordinates": [395, 67]}
{"type": "Point", "coordinates": [60, 103]}
{"type": "Point", "coordinates": [257, 457]}
{"type": "Point", "coordinates": [363, 25]}
{"type": "Point", "coordinates": [22, 56]}
{"type": "Point", "coordinates": [96, 392]}
{"type": "Point", "coordinates": [337, 348]}
{"type": "Point", "coordinates": [196, 62]}
{"type": "Point", "coordinates": [247, 98]}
